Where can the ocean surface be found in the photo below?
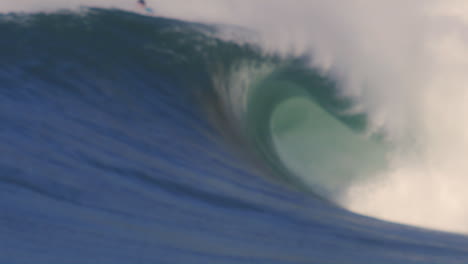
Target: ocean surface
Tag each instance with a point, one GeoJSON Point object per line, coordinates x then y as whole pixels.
{"type": "Point", "coordinates": [134, 139]}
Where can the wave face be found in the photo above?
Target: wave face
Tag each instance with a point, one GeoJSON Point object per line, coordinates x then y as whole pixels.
{"type": "Point", "coordinates": [128, 139]}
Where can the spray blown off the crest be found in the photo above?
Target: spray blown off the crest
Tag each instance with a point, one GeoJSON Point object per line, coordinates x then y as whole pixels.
{"type": "Point", "coordinates": [402, 64]}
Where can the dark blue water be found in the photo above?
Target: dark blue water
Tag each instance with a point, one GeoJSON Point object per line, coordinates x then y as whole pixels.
{"type": "Point", "coordinates": [116, 147]}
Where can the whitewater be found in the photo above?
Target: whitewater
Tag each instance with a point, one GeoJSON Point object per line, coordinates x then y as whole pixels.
{"type": "Point", "coordinates": [233, 132]}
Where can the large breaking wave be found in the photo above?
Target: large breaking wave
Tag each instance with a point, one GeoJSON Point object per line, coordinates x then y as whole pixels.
{"type": "Point", "coordinates": [134, 138]}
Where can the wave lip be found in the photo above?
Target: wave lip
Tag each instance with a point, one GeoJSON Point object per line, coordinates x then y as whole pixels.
{"type": "Point", "coordinates": [300, 125]}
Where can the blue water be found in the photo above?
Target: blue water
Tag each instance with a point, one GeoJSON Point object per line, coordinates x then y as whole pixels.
{"type": "Point", "coordinates": [116, 147]}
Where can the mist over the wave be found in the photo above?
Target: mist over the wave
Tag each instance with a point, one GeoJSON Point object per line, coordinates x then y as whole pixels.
{"type": "Point", "coordinates": [402, 62]}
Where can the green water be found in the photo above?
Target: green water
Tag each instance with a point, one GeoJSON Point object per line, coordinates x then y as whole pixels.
{"type": "Point", "coordinates": [298, 124]}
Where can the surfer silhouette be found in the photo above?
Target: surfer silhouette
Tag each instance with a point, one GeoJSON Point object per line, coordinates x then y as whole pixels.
{"type": "Point", "coordinates": [142, 4]}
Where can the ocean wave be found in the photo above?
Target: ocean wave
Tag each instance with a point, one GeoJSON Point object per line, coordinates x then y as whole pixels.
{"type": "Point", "coordinates": [137, 139]}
